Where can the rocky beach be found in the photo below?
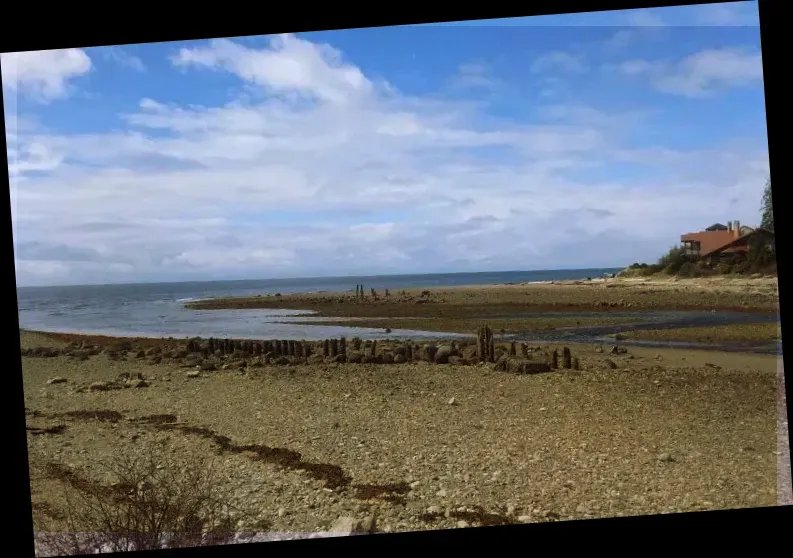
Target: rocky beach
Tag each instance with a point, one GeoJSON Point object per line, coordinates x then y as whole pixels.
{"type": "Point", "coordinates": [399, 435]}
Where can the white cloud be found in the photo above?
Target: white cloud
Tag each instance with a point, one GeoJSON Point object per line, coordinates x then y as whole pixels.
{"type": "Point", "coordinates": [43, 74]}
{"type": "Point", "coordinates": [702, 73]}
{"type": "Point", "coordinates": [122, 57]}
{"type": "Point", "coordinates": [558, 61]}
{"type": "Point", "coordinates": [475, 75]}
{"type": "Point", "coordinates": [729, 14]}
{"type": "Point", "coordinates": [645, 18]}
{"type": "Point", "coordinates": [291, 65]}
{"type": "Point", "coordinates": [360, 179]}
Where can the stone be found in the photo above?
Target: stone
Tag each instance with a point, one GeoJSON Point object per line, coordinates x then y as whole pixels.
{"type": "Point", "coordinates": [56, 380]}
{"type": "Point", "coordinates": [193, 374]}
{"type": "Point", "coordinates": [611, 364]}
{"type": "Point", "coordinates": [400, 359]}
{"type": "Point", "coordinates": [442, 355]}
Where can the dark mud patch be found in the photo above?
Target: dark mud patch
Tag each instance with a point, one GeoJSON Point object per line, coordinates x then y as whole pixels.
{"type": "Point", "coordinates": [157, 419]}
{"type": "Point", "coordinates": [46, 510]}
{"type": "Point", "coordinates": [333, 476]}
{"type": "Point", "coordinates": [56, 429]}
{"type": "Point", "coordinates": [475, 515]}
{"type": "Point", "coordinates": [100, 415]}
{"type": "Point", "coordinates": [393, 492]}
{"type": "Point", "coordinates": [73, 478]}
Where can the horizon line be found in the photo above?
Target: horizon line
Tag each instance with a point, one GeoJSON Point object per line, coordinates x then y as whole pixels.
{"type": "Point", "coordinates": [305, 278]}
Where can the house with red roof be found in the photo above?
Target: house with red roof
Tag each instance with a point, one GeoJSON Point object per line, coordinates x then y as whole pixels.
{"type": "Point", "coordinates": [718, 241]}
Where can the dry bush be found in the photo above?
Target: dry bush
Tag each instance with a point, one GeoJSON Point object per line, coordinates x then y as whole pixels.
{"type": "Point", "coordinates": [153, 502]}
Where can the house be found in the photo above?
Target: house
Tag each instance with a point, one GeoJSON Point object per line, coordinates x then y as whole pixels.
{"type": "Point", "coordinates": [718, 241]}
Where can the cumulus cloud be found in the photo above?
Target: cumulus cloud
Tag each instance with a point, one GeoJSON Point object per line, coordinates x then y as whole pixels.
{"type": "Point", "coordinates": [332, 172]}
{"type": "Point", "coordinates": [43, 75]}
{"type": "Point", "coordinates": [701, 74]}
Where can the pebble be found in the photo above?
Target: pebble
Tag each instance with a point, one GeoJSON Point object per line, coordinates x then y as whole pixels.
{"type": "Point", "coordinates": [441, 493]}
{"type": "Point", "coordinates": [452, 401]}
{"type": "Point", "coordinates": [524, 518]}
{"type": "Point", "coordinates": [462, 524]}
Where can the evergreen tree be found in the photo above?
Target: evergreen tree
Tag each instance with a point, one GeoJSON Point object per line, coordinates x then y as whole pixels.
{"type": "Point", "coordinates": [767, 220]}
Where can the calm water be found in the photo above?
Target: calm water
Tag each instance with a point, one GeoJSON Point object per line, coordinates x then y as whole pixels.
{"type": "Point", "coordinates": [157, 309]}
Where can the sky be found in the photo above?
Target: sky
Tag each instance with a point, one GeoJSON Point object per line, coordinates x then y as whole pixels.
{"type": "Point", "coordinates": [552, 142]}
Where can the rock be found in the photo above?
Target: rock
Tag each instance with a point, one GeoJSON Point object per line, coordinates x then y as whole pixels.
{"type": "Point", "coordinates": [347, 525]}
{"type": "Point", "coordinates": [193, 374]}
{"type": "Point", "coordinates": [433, 510]}
{"type": "Point", "coordinates": [319, 359]}
{"type": "Point", "coordinates": [441, 494]}
{"type": "Point", "coordinates": [387, 358]}
{"type": "Point", "coordinates": [665, 458]}
{"type": "Point", "coordinates": [139, 384]}
{"type": "Point", "coordinates": [208, 366]}
{"type": "Point", "coordinates": [281, 512]}
{"type": "Point", "coordinates": [354, 357]}
{"type": "Point", "coordinates": [611, 364]}
{"type": "Point", "coordinates": [56, 380]}
{"type": "Point", "coordinates": [368, 524]}
{"type": "Point", "coordinates": [452, 401]}
{"type": "Point", "coordinates": [400, 359]}
{"type": "Point", "coordinates": [520, 365]}
{"type": "Point", "coordinates": [462, 524]}
{"type": "Point", "coordinates": [101, 386]}
{"type": "Point", "coordinates": [659, 357]}
{"type": "Point", "coordinates": [442, 355]}
{"type": "Point", "coordinates": [455, 360]}
{"type": "Point", "coordinates": [281, 361]}
{"type": "Point", "coordinates": [428, 353]}
{"type": "Point", "coordinates": [524, 518]}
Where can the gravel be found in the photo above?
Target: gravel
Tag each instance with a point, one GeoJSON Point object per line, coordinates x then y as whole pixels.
{"type": "Point", "coordinates": [648, 437]}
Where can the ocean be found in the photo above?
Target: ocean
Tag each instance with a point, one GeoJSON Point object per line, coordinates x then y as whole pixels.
{"type": "Point", "coordinates": [157, 309]}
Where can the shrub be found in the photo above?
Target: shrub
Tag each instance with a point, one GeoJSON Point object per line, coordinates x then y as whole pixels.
{"type": "Point", "coordinates": [155, 502]}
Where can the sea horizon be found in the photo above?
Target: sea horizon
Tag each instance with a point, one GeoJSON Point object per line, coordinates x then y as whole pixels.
{"type": "Point", "coordinates": [311, 278]}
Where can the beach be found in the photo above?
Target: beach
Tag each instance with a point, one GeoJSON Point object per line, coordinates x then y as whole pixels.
{"type": "Point", "coordinates": [423, 445]}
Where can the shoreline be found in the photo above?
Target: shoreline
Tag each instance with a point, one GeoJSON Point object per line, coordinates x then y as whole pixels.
{"type": "Point", "coordinates": [741, 294]}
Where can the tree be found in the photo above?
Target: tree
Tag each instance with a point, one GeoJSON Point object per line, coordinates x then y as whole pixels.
{"type": "Point", "coordinates": [767, 220]}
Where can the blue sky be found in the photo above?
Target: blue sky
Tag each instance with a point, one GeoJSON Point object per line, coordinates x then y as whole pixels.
{"type": "Point", "coordinates": [580, 140]}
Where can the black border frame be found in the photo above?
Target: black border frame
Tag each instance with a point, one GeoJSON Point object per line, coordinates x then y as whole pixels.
{"type": "Point", "coordinates": [712, 529]}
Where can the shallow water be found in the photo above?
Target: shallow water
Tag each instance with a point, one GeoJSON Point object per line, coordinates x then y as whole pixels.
{"type": "Point", "coordinates": [657, 320]}
{"type": "Point", "coordinates": [157, 310]}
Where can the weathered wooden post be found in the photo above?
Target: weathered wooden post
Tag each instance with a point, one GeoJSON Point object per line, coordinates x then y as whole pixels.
{"type": "Point", "coordinates": [554, 359]}
{"type": "Point", "coordinates": [513, 349]}
{"type": "Point", "coordinates": [334, 347]}
{"type": "Point", "coordinates": [326, 348]}
{"type": "Point", "coordinates": [567, 361]}
{"type": "Point", "coordinates": [343, 347]}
